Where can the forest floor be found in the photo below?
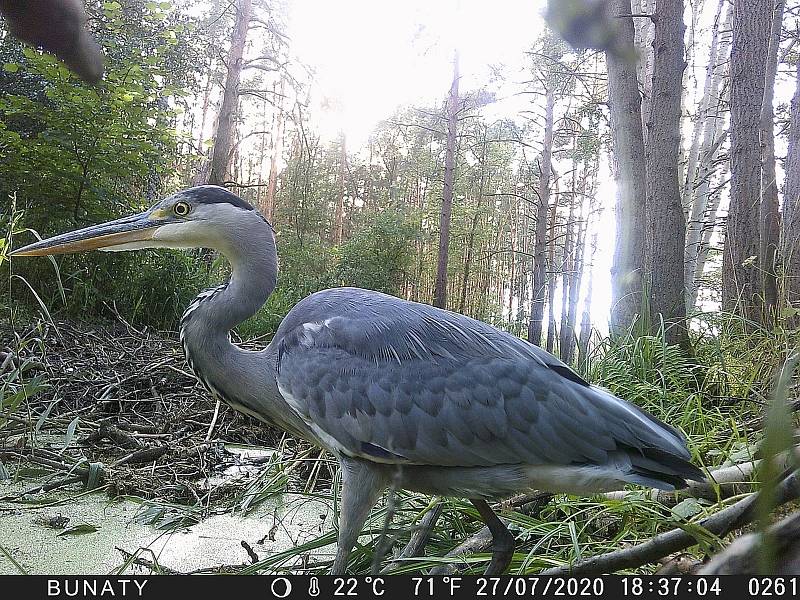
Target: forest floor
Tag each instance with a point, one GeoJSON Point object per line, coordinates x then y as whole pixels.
{"type": "Point", "coordinates": [112, 410]}
{"type": "Point", "coordinates": [103, 428]}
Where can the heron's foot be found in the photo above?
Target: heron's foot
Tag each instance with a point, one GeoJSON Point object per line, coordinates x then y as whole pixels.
{"type": "Point", "coordinates": [503, 546]}
{"type": "Point", "coordinates": [503, 543]}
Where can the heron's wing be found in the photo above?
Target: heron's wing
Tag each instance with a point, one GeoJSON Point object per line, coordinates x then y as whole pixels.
{"type": "Point", "coordinates": [400, 382]}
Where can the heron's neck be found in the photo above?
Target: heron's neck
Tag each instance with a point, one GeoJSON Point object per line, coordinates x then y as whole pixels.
{"type": "Point", "coordinates": [206, 324]}
{"type": "Point", "coordinates": [239, 377]}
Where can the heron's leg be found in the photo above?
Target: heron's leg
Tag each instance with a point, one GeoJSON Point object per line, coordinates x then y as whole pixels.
{"type": "Point", "coordinates": [502, 540]}
{"type": "Point", "coordinates": [362, 484]}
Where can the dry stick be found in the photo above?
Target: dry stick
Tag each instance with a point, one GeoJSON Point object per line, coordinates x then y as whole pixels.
{"type": "Point", "coordinates": [46, 462]}
{"type": "Point", "coordinates": [81, 473]}
{"type": "Point", "coordinates": [742, 556]}
{"type": "Point", "coordinates": [49, 487]}
{"type": "Point", "coordinates": [123, 440]}
{"type": "Point", "coordinates": [143, 562]}
{"type": "Point", "coordinates": [420, 537]}
{"type": "Point", "coordinates": [478, 542]}
{"type": "Point", "coordinates": [384, 542]}
{"type": "Point", "coordinates": [144, 455]}
{"type": "Point", "coordinates": [213, 421]}
{"type": "Point", "coordinates": [7, 360]}
{"type": "Point", "coordinates": [720, 524]}
{"type": "Point", "coordinates": [250, 552]}
{"type": "Point", "coordinates": [725, 482]}
{"type": "Point", "coordinates": [757, 423]}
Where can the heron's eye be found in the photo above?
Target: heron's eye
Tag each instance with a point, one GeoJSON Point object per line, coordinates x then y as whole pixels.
{"type": "Point", "coordinates": [181, 209]}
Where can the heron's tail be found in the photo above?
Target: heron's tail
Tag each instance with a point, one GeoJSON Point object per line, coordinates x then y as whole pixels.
{"type": "Point", "coordinates": [653, 467]}
{"type": "Point", "coordinates": [649, 452]}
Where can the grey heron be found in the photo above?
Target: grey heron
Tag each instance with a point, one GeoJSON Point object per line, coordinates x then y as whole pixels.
{"type": "Point", "coordinates": [401, 393]}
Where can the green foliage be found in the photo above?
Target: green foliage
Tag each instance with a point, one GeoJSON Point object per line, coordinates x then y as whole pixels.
{"type": "Point", "coordinates": [648, 372]}
{"type": "Point", "coordinates": [74, 154]}
{"type": "Point", "coordinates": [378, 256]}
{"type": "Point", "coordinates": [679, 389]}
{"type": "Point", "coordinates": [67, 147]}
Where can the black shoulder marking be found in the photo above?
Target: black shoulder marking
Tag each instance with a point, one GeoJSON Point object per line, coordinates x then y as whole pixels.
{"type": "Point", "coordinates": [380, 453]}
{"type": "Point", "coordinates": [568, 373]}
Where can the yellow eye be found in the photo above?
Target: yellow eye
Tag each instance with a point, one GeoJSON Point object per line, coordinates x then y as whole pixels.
{"type": "Point", "coordinates": [181, 209]}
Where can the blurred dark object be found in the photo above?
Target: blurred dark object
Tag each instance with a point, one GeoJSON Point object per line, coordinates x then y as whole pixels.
{"type": "Point", "coordinates": [588, 24]}
{"type": "Point", "coordinates": [59, 27]}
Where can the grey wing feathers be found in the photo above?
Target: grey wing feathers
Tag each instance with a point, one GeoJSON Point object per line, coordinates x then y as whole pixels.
{"type": "Point", "coordinates": [400, 382]}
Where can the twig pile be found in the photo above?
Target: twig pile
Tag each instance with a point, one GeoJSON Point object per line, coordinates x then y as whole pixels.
{"type": "Point", "coordinates": [115, 406]}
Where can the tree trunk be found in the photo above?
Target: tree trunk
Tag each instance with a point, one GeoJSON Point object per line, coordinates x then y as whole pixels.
{"type": "Point", "coordinates": [644, 31]}
{"type": "Point", "coordinates": [702, 214]}
{"type": "Point", "coordinates": [551, 278]}
{"type": "Point", "coordinates": [338, 225]}
{"type": "Point", "coordinates": [575, 279]}
{"type": "Point", "coordinates": [662, 152]}
{"type": "Point", "coordinates": [769, 233]}
{"type": "Point", "coordinates": [540, 247]}
{"type": "Point", "coordinates": [576, 270]}
{"type": "Point", "coordinates": [275, 153]}
{"type": "Point", "coordinates": [223, 142]}
{"type": "Point", "coordinates": [262, 153]}
{"type": "Point", "coordinates": [200, 176]}
{"type": "Point", "coordinates": [741, 281]}
{"type": "Point", "coordinates": [790, 222]}
{"type": "Point", "coordinates": [709, 223]}
{"type": "Point", "coordinates": [568, 265]}
{"type": "Point", "coordinates": [705, 108]}
{"type": "Point", "coordinates": [204, 109]}
{"type": "Point", "coordinates": [462, 305]}
{"type": "Point", "coordinates": [440, 292]}
{"type": "Point", "coordinates": [514, 239]}
{"type": "Point", "coordinates": [586, 317]}
{"type": "Point", "coordinates": [628, 146]}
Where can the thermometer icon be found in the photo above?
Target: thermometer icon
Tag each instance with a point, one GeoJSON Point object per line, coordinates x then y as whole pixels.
{"type": "Point", "coordinates": [313, 587]}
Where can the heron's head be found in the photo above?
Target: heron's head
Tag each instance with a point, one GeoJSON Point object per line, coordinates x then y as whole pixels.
{"type": "Point", "coordinates": [201, 217]}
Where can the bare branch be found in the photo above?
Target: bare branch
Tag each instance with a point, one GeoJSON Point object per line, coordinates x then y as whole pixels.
{"type": "Point", "coordinates": [720, 524]}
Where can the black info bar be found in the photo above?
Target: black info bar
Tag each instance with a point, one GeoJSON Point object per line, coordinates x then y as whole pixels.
{"type": "Point", "coordinates": [292, 587]}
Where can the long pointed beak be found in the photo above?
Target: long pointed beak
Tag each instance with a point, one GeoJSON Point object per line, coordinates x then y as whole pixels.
{"type": "Point", "coordinates": [125, 233]}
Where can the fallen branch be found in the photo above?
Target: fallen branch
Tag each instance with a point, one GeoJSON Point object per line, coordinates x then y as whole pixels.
{"type": "Point", "coordinates": [419, 538]}
{"type": "Point", "coordinates": [147, 564]}
{"type": "Point", "coordinates": [476, 543]}
{"type": "Point", "coordinates": [757, 423]}
{"type": "Point", "coordinates": [720, 524]}
{"type": "Point", "coordinates": [46, 459]}
{"type": "Point", "coordinates": [144, 455]}
{"type": "Point", "coordinates": [743, 556]}
{"type": "Point", "coordinates": [677, 565]}
{"type": "Point", "coordinates": [250, 552]}
{"type": "Point", "coordinates": [49, 487]}
{"type": "Point", "coordinates": [123, 440]}
{"type": "Point", "coordinates": [731, 481]}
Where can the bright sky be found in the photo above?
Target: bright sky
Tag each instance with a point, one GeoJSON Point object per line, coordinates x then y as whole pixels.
{"type": "Point", "coordinates": [372, 56]}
